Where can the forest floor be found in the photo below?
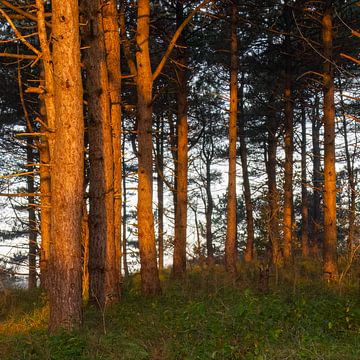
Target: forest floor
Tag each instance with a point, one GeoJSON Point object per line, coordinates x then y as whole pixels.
{"type": "Point", "coordinates": [206, 316]}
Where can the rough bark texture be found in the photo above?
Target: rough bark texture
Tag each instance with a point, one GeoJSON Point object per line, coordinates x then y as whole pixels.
{"type": "Point", "coordinates": [304, 192]}
{"type": "Point", "coordinates": [46, 143]}
{"type": "Point", "coordinates": [112, 48]}
{"type": "Point", "coordinates": [249, 250]}
{"type": "Point", "coordinates": [67, 168]}
{"type": "Point", "coordinates": [179, 259]}
{"type": "Point", "coordinates": [149, 272]}
{"type": "Point", "coordinates": [288, 166]}
{"type": "Point", "coordinates": [104, 270]}
{"type": "Point", "coordinates": [330, 232]}
{"type": "Point", "coordinates": [230, 243]}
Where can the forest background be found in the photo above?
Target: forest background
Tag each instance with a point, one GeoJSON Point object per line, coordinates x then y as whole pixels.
{"type": "Point", "coordinates": [167, 101]}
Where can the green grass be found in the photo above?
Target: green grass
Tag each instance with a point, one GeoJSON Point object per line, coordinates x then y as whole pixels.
{"type": "Point", "coordinates": [205, 317]}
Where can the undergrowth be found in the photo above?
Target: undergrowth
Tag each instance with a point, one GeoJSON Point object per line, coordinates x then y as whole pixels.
{"type": "Point", "coordinates": [206, 316]}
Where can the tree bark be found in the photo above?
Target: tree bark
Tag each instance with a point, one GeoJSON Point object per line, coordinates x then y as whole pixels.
{"type": "Point", "coordinates": [316, 241]}
{"type": "Point", "coordinates": [179, 258]}
{"type": "Point", "coordinates": [31, 216]}
{"type": "Point", "coordinates": [124, 214]}
{"type": "Point", "coordinates": [209, 204]}
{"type": "Point", "coordinates": [67, 168]}
{"type": "Point", "coordinates": [289, 149]}
{"type": "Point", "coordinates": [46, 143]}
{"type": "Point", "coordinates": [249, 250]}
{"type": "Point", "coordinates": [104, 271]}
{"type": "Point", "coordinates": [85, 252]}
{"type": "Point", "coordinates": [230, 243]}
{"type": "Point", "coordinates": [149, 271]}
{"type": "Point", "coordinates": [351, 180]}
{"type": "Point", "coordinates": [304, 192]}
{"type": "Point", "coordinates": [273, 195]}
{"type": "Point", "coordinates": [160, 189]}
{"type": "Point", "coordinates": [330, 232]}
{"type": "Point", "coordinates": [30, 180]}
{"type": "Point", "coordinates": [112, 48]}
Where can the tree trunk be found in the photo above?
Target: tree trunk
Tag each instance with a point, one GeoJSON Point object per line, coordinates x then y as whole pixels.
{"type": "Point", "coordinates": [67, 168]}
{"type": "Point", "coordinates": [351, 180]}
{"type": "Point", "coordinates": [249, 250]}
{"type": "Point", "coordinates": [179, 259]}
{"type": "Point", "coordinates": [31, 215]}
{"type": "Point", "coordinates": [209, 208]}
{"type": "Point", "coordinates": [144, 83]}
{"type": "Point", "coordinates": [160, 189]}
{"type": "Point", "coordinates": [104, 270]}
{"type": "Point", "coordinates": [316, 241]}
{"type": "Point", "coordinates": [85, 252]}
{"type": "Point", "coordinates": [288, 167]}
{"type": "Point", "coordinates": [230, 243]}
{"type": "Point", "coordinates": [30, 180]}
{"type": "Point", "coordinates": [46, 143]}
{"type": "Point", "coordinates": [124, 216]}
{"type": "Point", "coordinates": [304, 192]}
{"type": "Point", "coordinates": [273, 195]}
{"type": "Point", "coordinates": [112, 47]}
{"type": "Point", "coordinates": [330, 232]}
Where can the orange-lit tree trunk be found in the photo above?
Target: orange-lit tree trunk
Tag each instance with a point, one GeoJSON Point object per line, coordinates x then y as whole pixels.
{"type": "Point", "coordinates": [104, 270]}
{"type": "Point", "coordinates": [230, 243]}
{"type": "Point", "coordinates": [46, 143]}
{"type": "Point", "coordinates": [179, 259]}
{"type": "Point", "coordinates": [112, 48]}
{"type": "Point", "coordinates": [330, 232]}
{"type": "Point", "coordinates": [288, 166]}
{"type": "Point", "coordinates": [249, 250]}
{"type": "Point", "coordinates": [144, 82]}
{"type": "Point", "coordinates": [304, 192]}
{"type": "Point", "coordinates": [67, 170]}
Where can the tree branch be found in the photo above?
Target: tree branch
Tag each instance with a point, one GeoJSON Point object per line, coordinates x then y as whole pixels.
{"type": "Point", "coordinates": [350, 58]}
{"type": "Point", "coordinates": [175, 38]}
{"type": "Point", "coordinates": [18, 56]}
{"type": "Point", "coordinates": [18, 34]}
{"type": "Point", "coordinates": [21, 12]}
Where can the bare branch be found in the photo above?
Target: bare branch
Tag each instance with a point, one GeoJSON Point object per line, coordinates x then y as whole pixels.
{"type": "Point", "coordinates": [18, 34]}
{"type": "Point", "coordinates": [18, 56]}
{"type": "Point", "coordinates": [21, 194]}
{"type": "Point", "coordinates": [345, 56]}
{"type": "Point", "coordinates": [21, 12]}
{"type": "Point", "coordinates": [175, 38]}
